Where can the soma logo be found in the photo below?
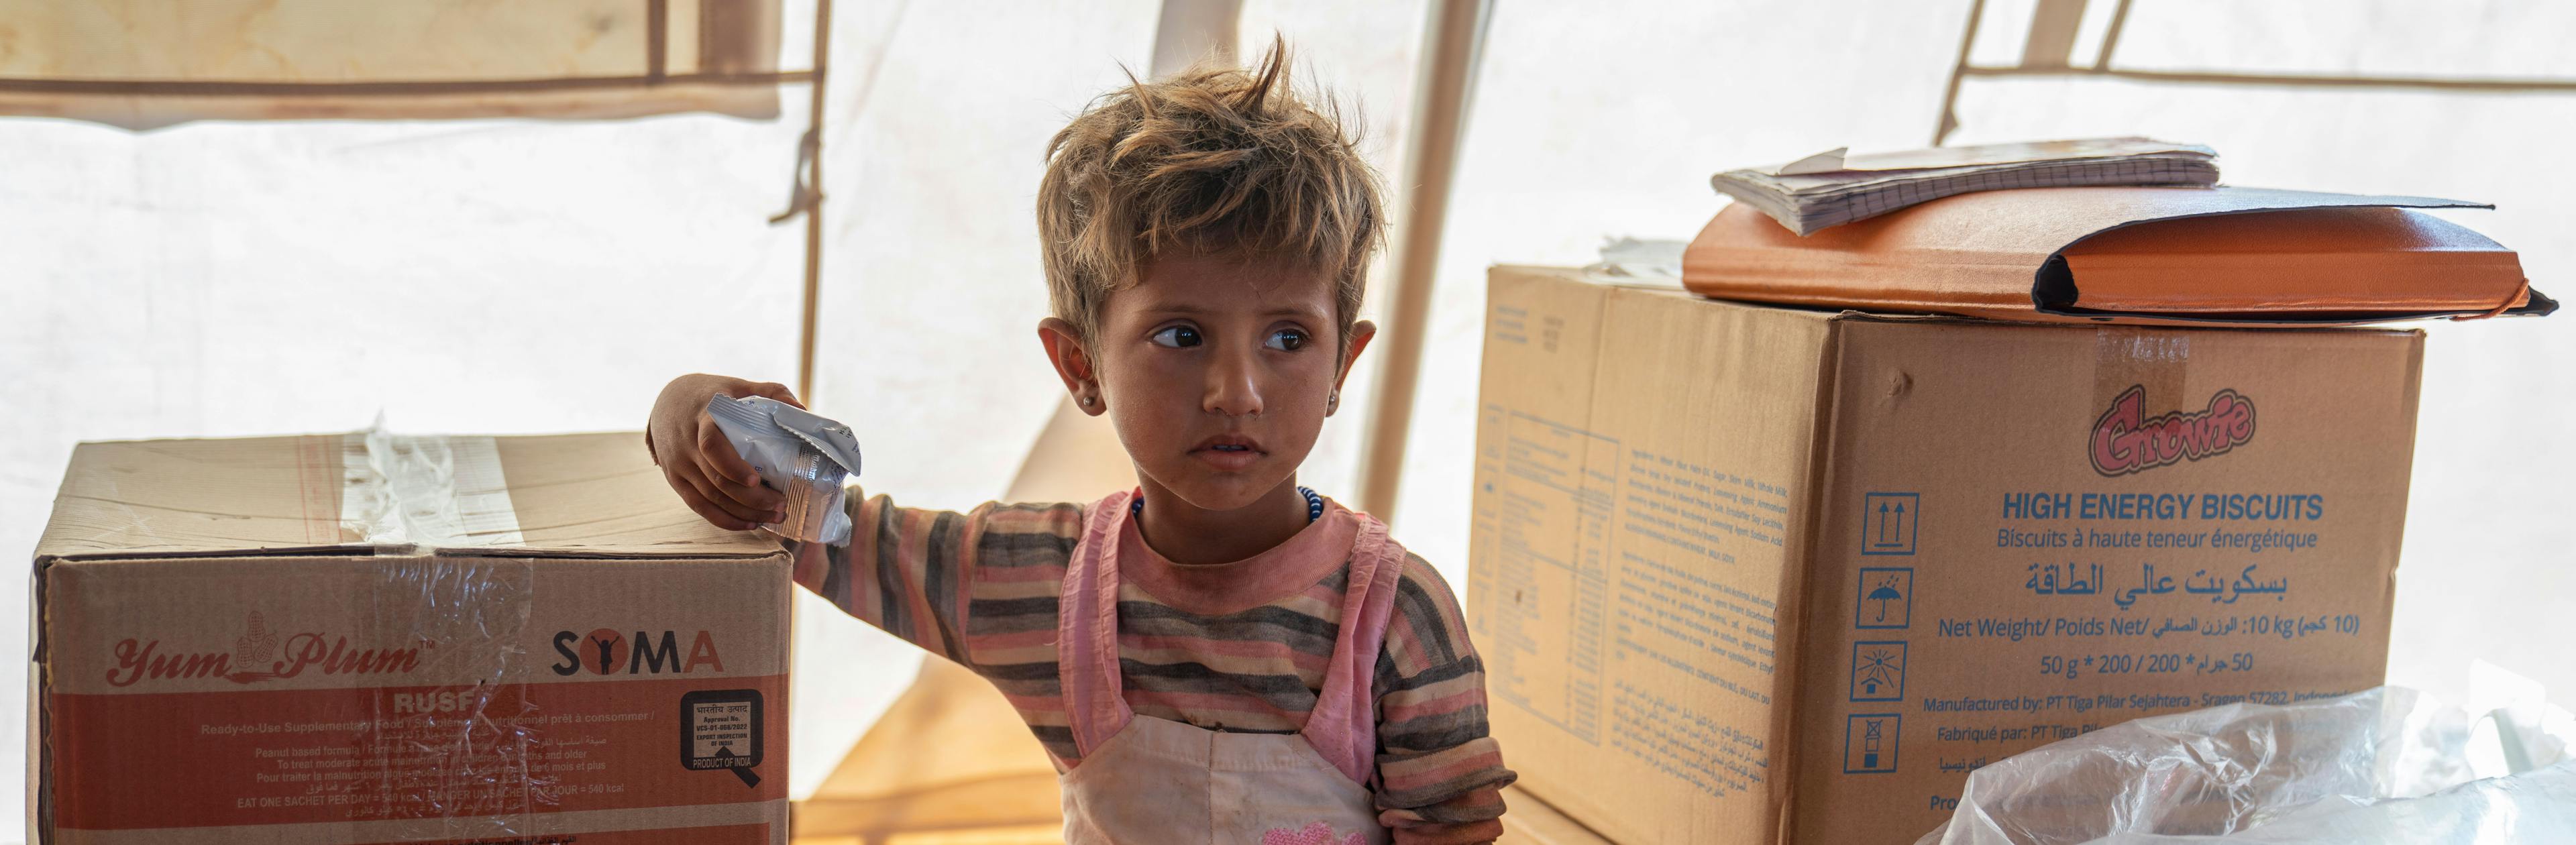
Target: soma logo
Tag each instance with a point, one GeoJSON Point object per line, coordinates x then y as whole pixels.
{"type": "Point", "coordinates": [607, 652]}
{"type": "Point", "coordinates": [2126, 440]}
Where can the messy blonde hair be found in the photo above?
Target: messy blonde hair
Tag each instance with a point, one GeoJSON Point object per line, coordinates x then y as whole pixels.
{"type": "Point", "coordinates": [1212, 160]}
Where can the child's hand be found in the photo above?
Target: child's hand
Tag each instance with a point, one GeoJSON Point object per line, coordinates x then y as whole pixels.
{"type": "Point", "coordinates": [700, 463]}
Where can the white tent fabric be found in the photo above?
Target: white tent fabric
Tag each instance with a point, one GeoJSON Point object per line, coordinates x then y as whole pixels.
{"type": "Point", "coordinates": [221, 278]}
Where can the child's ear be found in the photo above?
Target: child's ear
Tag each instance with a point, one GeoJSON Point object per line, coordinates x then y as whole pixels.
{"type": "Point", "coordinates": [1361, 333]}
{"type": "Point", "coordinates": [1073, 364]}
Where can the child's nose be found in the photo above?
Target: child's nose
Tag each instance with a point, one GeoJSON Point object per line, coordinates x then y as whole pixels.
{"type": "Point", "coordinates": [1232, 388]}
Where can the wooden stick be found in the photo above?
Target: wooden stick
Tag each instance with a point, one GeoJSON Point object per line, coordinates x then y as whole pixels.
{"type": "Point", "coordinates": [2111, 37]}
{"type": "Point", "coordinates": [2529, 86]}
{"type": "Point", "coordinates": [1451, 42]}
{"type": "Point", "coordinates": [220, 88]}
{"type": "Point", "coordinates": [814, 205]}
{"type": "Point", "coordinates": [1949, 118]}
{"type": "Point", "coordinates": [1191, 30]}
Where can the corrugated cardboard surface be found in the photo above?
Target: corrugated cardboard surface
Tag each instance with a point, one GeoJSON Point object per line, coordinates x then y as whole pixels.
{"type": "Point", "coordinates": [250, 640]}
{"type": "Point", "coordinates": [587, 494]}
{"type": "Point", "coordinates": [1751, 574]}
{"type": "Point", "coordinates": [1530, 821]}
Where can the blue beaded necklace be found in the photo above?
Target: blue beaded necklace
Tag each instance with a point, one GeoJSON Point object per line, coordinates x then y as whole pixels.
{"type": "Point", "coordinates": [1314, 504]}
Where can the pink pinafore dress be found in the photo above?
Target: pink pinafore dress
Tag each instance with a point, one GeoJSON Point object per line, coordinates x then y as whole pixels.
{"type": "Point", "coordinates": [1141, 779]}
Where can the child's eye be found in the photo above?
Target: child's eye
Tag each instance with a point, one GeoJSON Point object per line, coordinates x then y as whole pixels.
{"type": "Point", "coordinates": [1177, 337]}
{"type": "Point", "coordinates": [1286, 340]}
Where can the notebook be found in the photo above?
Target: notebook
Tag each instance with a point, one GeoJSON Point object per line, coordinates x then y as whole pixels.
{"type": "Point", "coordinates": [1831, 188]}
{"type": "Point", "coordinates": [2165, 256]}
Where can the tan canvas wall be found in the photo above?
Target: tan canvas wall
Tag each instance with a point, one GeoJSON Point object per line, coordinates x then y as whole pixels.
{"type": "Point", "coordinates": [141, 64]}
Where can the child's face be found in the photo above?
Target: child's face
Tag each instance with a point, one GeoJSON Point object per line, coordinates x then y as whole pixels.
{"type": "Point", "coordinates": [1218, 374]}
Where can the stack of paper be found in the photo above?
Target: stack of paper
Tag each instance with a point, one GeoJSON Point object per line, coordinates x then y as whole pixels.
{"type": "Point", "coordinates": [1831, 189]}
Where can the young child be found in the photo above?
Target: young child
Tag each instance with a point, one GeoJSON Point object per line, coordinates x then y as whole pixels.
{"type": "Point", "coordinates": [1219, 655]}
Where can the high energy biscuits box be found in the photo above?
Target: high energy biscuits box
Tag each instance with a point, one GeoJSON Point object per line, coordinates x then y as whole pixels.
{"type": "Point", "coordinates": [1755, 574]}
{"type": "Point", "coordinates": [375, 639]}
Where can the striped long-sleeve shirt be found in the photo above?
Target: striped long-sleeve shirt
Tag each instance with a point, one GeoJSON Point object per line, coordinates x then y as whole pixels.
{"type": "Point", "coordinates": [1238, 647]}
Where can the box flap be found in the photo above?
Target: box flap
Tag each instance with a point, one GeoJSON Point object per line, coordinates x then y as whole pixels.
{"type": "Point", "coordinates": [2127, 255]}
{"type": "Point", "coordinates": [585, 494]}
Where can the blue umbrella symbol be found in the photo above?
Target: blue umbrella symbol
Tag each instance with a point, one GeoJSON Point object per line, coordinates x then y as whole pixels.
{"type": "Point", "coordinates": [1885, 593]}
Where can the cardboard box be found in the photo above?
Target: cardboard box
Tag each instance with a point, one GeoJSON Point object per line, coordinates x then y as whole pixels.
{"type": "Point", "coordinates": [1530, 821]}
{"type": "Point", "coordinates": [375, 639]}
{"type": "Point", "coordinates": [1756, 574]}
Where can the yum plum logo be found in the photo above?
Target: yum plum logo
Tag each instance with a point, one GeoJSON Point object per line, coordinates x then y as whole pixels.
{"type": "Point", "coordinates": [256, 657]}
{"type": "Point", "coordinates": [609, 652]}
{"type": "Point", "coordinates": [2126, 440]}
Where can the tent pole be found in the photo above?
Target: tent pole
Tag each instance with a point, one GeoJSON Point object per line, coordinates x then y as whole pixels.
{"type": "Point", "coordinates": [1191, 30]}
{"type": "Point", "coordinates": [1949, 119]}
{"type": "Point", "coordinates": [2111, 38]}
{"type": "Point", "coordinates": [1451, 42]}
{"type": "Point", "coordinates": [813, 153]}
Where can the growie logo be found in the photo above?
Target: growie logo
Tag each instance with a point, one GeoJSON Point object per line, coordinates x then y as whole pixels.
{"type": "Point", "coordinates": [2126, 440]}
{"type": "Point", "coordinates": [255, 658]}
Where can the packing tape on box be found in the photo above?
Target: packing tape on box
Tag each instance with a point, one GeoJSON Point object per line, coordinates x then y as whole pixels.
{"type": "Point", "coordinates": [2139, 359]}
{"type": "Point", "coordinates": [2153, 360]}
{"type": "Point", "coordinates": [424, 490]}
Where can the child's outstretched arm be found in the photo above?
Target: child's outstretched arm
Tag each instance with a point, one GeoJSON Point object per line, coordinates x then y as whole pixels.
{"type": "Point", "coordinates": [911, 572]}
{"type": "Point", "coordinates": [1440, 773]}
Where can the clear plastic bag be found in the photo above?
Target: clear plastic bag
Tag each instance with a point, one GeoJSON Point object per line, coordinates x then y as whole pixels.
{"type": "Point", "coordinates": [2377, 766]}
{"type": "Point", "coordinates": [807, 457]}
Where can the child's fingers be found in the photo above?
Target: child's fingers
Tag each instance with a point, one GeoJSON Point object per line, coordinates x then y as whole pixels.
{"type": "Point", "coordinates": [717, 455]}
{"type": "Point", "coordinates": [755, 499]}
{"type": "Point", "coordinates": [711, 490]}
{"type": "Point", "coordinates": [697, 502]}
{"type": "Point", "coordinates": [743, 499]}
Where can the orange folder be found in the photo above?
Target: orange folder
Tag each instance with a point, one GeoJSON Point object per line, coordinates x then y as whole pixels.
{"type": "Point", "coordinates": [2194, 256]}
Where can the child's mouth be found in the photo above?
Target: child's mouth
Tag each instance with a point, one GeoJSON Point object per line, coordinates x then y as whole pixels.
{"type": "Point", "coordinates": [1228, 452]}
